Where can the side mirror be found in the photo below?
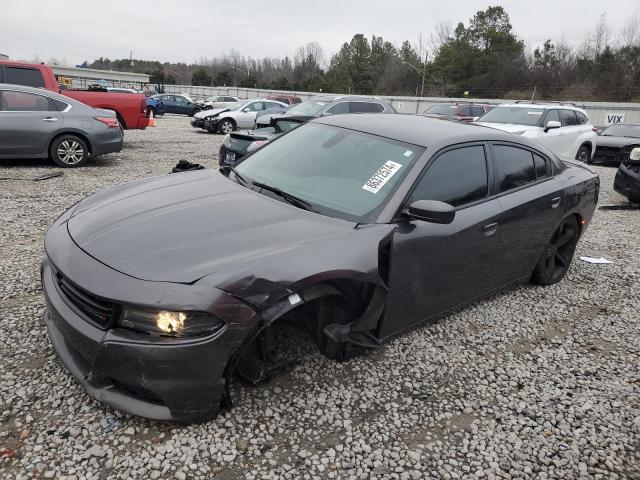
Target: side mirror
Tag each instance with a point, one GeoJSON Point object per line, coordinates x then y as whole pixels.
{"type": "Point", "coordinates": [551, 124]}
{"type": "Point", "coordinates": [246, 110]}
{"type": "Point", "coordinates": [431, 211]}
{"type": "Point", "coordinates": [634, 156]}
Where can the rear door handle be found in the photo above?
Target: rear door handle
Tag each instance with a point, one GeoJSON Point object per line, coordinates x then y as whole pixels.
{"type": "Point", "coordinates": [49, 119]}
{"type": "Point", "coordinates": [490, 229]}
{"type": "Point", "coordinates": [555, 202]}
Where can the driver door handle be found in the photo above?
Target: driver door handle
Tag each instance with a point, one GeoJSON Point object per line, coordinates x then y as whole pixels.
{"type": "Point", "coordinates": [49, 119]}
{"type": "Point", "coordinates": [490, 229]}
{"type": "Point", "coordinates": [555, 202]}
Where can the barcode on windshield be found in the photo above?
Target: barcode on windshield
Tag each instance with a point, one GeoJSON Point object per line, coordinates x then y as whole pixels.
{"type": "Point", "coordinates": [381, 177]}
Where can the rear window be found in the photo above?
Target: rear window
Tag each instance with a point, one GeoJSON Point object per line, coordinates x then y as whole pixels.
{"type": "Point", "coordinates": [23, 76]}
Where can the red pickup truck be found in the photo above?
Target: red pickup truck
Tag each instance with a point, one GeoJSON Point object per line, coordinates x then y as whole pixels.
{"type": "Point", "coordinates": [131, 109]}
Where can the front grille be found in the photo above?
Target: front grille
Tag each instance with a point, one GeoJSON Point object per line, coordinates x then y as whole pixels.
{"type": "Point", "coordinates": [95, 309]}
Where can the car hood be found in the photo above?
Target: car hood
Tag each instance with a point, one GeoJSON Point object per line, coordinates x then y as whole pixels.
{"type": "Point", "coordinates": [508, 127]}
{"type": "Point", "coordinates": [210, 112]}
{"type": "Point", "coordinates": [182, 227]}
{"type": "Point", "coordinates": [611, 141]}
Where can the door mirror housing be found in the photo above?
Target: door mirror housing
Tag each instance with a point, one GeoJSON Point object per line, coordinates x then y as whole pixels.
{"type": "Point", "coordinates": [246, 109]}
{"type": "Point", "coordinates": [431, 211]}
{"type": "Point", "coordinates": [551, 124]}
{"type": "Point", "coordinates": [634, 156]}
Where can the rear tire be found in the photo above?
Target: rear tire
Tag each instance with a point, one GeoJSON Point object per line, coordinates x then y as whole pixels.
{"type": "Point", "coordinates": [557, 255]}
{"type": "Point", "coordinates": [69, 151]}
{"type": "Point", "coordinates": [584, 154]}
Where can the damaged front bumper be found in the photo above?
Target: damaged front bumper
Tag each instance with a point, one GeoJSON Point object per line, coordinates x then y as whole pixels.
{"type": "Point", "coordinates": [161, 378]}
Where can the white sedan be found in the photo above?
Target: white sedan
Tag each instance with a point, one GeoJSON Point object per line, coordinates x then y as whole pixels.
{"type": "Point", "coordinates": [240, 115]}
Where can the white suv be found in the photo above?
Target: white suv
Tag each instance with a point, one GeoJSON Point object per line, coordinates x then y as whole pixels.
{"type": "Point", "coordinates": [561, 127]}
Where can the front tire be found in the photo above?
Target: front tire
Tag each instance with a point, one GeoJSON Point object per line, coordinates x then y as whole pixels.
{"type": "Point", "coordinates": [557, 256]}
{"type": "Point", "coordinates": [584, 154]}
{"type": "Point", "coordinates": [69, 151]}
{"type": "Point", "coordinates": [226, 126]}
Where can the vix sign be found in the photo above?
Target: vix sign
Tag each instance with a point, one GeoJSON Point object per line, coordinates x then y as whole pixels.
{"type": "Point", "coordinates": [611, 118]}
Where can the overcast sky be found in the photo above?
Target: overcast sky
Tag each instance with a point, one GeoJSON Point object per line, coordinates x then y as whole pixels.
{"type": "Point", "coordinates": [187, 30]}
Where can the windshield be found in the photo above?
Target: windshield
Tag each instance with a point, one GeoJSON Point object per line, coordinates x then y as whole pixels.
{"type": "Point", "coordinates": [518, 115]}
{"type": "Point", "coordinates": [622, 131]}
{"type": "Point", "coordinates": [307, 109]}
{"type": "Point", "coordinates": [441, 109]}
{"type": "Point", "coordinates": [237, 105]}
{"type": "Point", "coordinates": [341, 173]}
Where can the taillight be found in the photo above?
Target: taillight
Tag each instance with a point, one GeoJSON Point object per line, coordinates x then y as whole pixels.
{"type": "Point", "coordinates": [108, 121]}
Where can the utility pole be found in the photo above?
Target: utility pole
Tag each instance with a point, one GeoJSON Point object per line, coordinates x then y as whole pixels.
{"type": "Point", "coordinates": [424, 72]}
{"type": "Point", "coordinates": [131, 59]}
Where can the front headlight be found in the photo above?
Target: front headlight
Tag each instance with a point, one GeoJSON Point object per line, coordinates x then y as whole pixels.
{"type": "Point", "coordinates": [171, 324]}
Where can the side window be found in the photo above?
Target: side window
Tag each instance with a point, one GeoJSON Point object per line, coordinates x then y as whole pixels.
{"type": "Point", "coordinates": [377, 108]}
{"type": "Point", "coordinates": [168, 98]}
{"type": "Point", "coordinates": [359, 107]}
{"type": "Point", "coordinates": [456, 177]}
{"type": "Point", "coordinates": [24, 102]}
{"type": "Point", "coordinates": [513, 167]}
{"type": "Point", "coordinates": [340, 107]}
{"type": "Point", "coordinates": [273, 105]}
{"type": "Point", "coordinates": [477, 111]}
{"type": "Point", "coordinates": [568, 118]}
{"type": "Point", "coordinates": [540, 165]}
{"type": "Point", "coordinates": [179, 99]}
{"type": "Point", "coordinates": [552, 115]}
{"type": "Point", "coordinates": [230, 99]}
{"type": "Point", "coordinates": [465, 110]}
{"type": "Point", "coordinates": [58, 106]}
{"type": "Point", "coordinates": [582, 118]}
{"type": "Point", "coordinates": [23, 76]}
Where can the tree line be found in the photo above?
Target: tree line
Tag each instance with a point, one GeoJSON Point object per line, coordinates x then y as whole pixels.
{"type": "Point", "coordinates": [482, 58]}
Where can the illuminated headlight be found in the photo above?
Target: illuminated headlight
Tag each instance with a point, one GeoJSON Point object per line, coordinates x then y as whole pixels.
{"type": "Point", "coordinates": [634, 156]}
{"type": "Point", "coordinates": [171, 324]}
{"type": "Point", "coordinates": [227, 140]}
{"type": "Point", "coordinates": [255, 145]}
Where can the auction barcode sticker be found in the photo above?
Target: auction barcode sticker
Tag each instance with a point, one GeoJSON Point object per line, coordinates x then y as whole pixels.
{"type": "Point", "coordinates": [382, 176]}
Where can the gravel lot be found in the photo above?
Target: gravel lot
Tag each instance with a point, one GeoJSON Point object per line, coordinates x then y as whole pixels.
{"type": "Point", "coordinates": [535, 383]}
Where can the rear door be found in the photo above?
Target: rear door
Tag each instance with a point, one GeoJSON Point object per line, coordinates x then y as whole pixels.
{"type": "Point", "coordinates": [27, 123]}
{"type": "Point", "coordinates": [435, 267]}
{"type": "Point", "coordinates": [532, 203]}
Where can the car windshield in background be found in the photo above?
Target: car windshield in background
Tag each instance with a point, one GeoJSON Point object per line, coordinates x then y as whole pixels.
{"type": "Point", "coordinates": [341, 173]}
{"type": "Point", "coordinates": [516, 115]}
{"type": "Point", "coordinates": [308, 108]}
{"type": "Point", "coordinates": [441, 109]}
{"type": "Point", "coordinates": [632, 131]}
{"type": "Point", "coordinates": [237, 105]}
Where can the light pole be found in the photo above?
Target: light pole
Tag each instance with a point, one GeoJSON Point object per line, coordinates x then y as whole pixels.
{"type": "Point", "coordinates": [422, 73]}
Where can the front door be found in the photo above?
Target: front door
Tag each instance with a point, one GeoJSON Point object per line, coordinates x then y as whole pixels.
{"type": "Point", "coordinates": [27, 123]}
{"type": "Point", "coordinates": [435, 267]}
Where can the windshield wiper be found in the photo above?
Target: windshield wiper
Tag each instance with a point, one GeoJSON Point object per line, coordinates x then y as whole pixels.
{"type": "Point", "coordinates": [238, 176]}
{"type": "Point", "coordinates": [292, 199]}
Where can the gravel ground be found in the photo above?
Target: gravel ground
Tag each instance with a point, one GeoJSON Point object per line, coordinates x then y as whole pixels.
{"type": "Point", "coordinates": [539, 382]}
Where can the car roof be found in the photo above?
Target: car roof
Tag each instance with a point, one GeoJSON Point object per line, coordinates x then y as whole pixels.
{"type": "Point", "coordinates": [420, 130]}
{"type": "Point", "coordinates": [544, 106]}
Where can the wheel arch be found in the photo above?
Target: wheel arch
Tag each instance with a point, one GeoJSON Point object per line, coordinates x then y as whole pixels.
{"type": "Point", "coordinates": [77, 133]}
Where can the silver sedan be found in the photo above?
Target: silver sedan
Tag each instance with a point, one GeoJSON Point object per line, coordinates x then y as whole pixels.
{"type": "Point", "coordinates": [36, 123]}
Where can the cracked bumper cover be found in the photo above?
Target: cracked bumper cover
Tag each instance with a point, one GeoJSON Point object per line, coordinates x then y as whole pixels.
{"type": "Point", "coordinates": [154, 377]}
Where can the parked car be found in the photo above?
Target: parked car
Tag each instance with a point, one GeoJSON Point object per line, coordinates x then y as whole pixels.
{"type": "Point", "coordinates": [179, 104]}
{"type": "Point", "coordinates": [332, 105]}
{"type": "Point", "coordinates": [615, 143]}
{"type": "Point", "coordinates": [340, 225]}
{"type": "Point", "coordinates": [154, 105]}
{"type": "Point", "coordinates": [563, 128]}
{"type": "Point", "coordinates": [36, 123]}
{"type": "Point", "coordinates": [458, 112]}
{"type": "Point", "coordinates": [240, 115]}
{"type": "Point", "coordinates": [627, 180]}
{"type": "Point", "coordinates": [220, 101]}
{"type": "Point", "coordinates": [238, 144]}
{"type": "Point", "coordinates": [288, 99]}
{"type": "Point", "coordinates": [131, 110]}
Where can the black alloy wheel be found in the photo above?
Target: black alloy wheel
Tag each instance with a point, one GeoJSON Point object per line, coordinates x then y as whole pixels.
{"type": "Point", "coordinates": [556, 259]}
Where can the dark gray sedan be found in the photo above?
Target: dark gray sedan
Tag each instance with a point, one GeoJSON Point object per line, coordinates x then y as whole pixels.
{"type": "Point", "coordinates": [354, 227]}
{"type": "Point", "coordinates": [36, 123]}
